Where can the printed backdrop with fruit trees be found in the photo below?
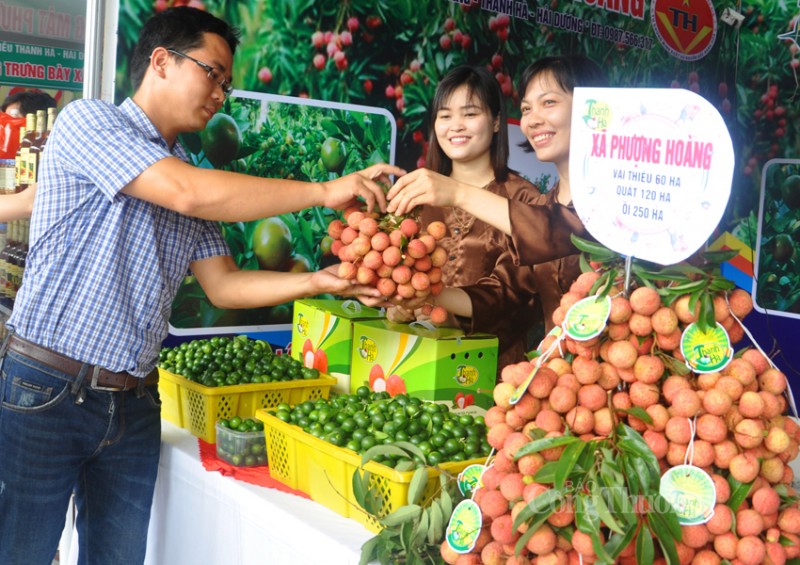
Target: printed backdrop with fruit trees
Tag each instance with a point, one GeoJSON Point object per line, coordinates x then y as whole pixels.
{"type": "Point", "coordinates": [741, 55]}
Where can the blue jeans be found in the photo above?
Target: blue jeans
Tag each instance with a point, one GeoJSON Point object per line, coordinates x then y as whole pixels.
{"type": "Point", "coordinates": [105, 449]}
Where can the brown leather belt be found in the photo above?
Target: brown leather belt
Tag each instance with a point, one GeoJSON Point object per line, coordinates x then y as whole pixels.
{"type": "Point", "coordinates": [101, 379]}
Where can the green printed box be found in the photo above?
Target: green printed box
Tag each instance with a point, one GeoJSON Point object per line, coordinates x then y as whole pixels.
{"type": "Point", "coordinates": [322, 334]}
{"type": "Point", "coordinates": [439, 364]}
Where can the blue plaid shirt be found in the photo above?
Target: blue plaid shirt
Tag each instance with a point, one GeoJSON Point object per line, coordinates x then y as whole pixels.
{"type": "Point", "coordinates": [103, 267]}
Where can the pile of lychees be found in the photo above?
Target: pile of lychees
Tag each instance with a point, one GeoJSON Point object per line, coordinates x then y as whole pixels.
{"type": "Point", "coordinates": [391, 253]}
{"type": "Point", "coordinates": [734, 423]}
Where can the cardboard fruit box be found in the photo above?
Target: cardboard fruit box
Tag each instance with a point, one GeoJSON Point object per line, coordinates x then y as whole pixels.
{"type": "Point", "coordinates": [322, 334]}
{"type": "Point", "coordinates": [439, 364]}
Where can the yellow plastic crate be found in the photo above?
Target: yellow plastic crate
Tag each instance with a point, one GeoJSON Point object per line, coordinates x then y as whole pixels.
{"type": "Point", "coordinates": [198, 407]}
{"type": "Point", "coordinates": [325, 471]}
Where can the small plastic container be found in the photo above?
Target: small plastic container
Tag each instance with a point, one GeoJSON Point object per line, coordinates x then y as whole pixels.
{"type": "Point", "coordinates": [242, 449]}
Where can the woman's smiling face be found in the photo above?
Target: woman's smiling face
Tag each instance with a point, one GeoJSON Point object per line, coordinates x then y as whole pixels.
{"type": "Point", "coordinates": [546, 118]}
{"type": "Point", "coordinates": [464, 128]}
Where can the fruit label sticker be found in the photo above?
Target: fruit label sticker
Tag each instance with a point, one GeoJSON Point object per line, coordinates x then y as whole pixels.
{"type": "Point", "coordinates": [521, 389]}
{"type": "Point", "coordinates": [557, 332]}
{"type": "Point", "coordinates": [464, 526]}
{"type": "Point", "coordinates": [470, 479]}
{"type": "Point", "coordinates": [587, 318]}
{"type": "Point", "coordinates": [650, 169]}
{"type": "Point", "coordinates": [706, 352]}
{"type": "Point", "coordinates": [691, 492]}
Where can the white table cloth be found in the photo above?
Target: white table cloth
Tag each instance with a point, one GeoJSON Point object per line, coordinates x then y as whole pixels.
{"type": "Point", "coordinates": [202, 517]}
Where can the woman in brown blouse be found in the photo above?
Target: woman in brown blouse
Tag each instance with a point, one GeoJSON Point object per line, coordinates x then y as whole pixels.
{"type": "Point", "coordinates": [539, 225]}
{"type": "Point", "coordinates": [469, 145]}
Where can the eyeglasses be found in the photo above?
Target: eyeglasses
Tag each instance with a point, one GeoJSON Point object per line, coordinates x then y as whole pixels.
{"type": "Point", "coordinates": [213, 74]}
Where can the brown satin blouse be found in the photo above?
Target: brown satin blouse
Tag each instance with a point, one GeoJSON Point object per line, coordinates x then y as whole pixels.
{"type": "Point", "coordinates": [540, 260]}
{"type": "Point", "coordinates": [475, 251]}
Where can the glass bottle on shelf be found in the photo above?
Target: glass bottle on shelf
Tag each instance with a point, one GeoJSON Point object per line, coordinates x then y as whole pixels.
{"type": "Point", "coordinates": [8, 257]}
{"type": "Point", "coordinates": [21, 256]}
{"type": "Point", "coordinates": [25, 144]}
{"type": "Point", "coordinates": [51, 119]}
{"type": "Point", "coordinates": [19, 164]}
{"type": "Point", "coordinates": [36, 147]}
{"type": "Point", "coordinates": [20, 183]}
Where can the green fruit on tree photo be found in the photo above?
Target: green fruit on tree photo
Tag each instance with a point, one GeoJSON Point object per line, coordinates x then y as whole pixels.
{"type": "Point", "coordinates": [795, 227]}
{"type": "Point", "coordinates": [790, 191]}
{"type": "Point", "coordinates": [299, 264]}
{"type": "Point", "coordinates": [784, 248]}
{"type": "Point", "coordinates": [221, 139]}
{"type": "Point", "coordinates": [272, 244]}
{"type": "Point", "coordinates": [333, 154]}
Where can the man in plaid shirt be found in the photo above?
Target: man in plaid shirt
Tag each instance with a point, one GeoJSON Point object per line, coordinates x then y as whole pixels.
{"type": "Point", "coordinates": [119, 219]}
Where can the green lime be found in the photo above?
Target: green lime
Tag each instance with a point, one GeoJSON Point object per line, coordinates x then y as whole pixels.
{"type": "Point", "coordinates": [451, 446]}
{"type": "Point", "coordinates": [368, 442]}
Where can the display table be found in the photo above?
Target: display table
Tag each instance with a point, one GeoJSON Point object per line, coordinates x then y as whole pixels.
{"type": "Point", "coordinates": [205, 517]}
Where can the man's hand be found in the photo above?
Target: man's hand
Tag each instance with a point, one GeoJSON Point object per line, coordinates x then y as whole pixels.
{"type": "Point", "coordinates": [365, 184]}
{"type": "Point", "coordinates": [18, 205]}
{"type": "Point", "coordinates": [327, 281]}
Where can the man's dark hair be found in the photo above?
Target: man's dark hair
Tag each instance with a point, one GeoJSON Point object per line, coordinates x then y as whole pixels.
{"type": "Point", "coordinates": [30, 101]}
{"type": "Point", "coordinates": [484, 90]}
{"type": "Point", "coordinates": [180, 29]}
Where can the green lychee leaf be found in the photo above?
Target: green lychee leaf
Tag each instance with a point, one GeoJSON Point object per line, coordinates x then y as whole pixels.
{"type": "Point", "coordinates": [416, 488]}
{"type": "Point", "coordinates": [645, 552]}
{"type": "Point", "coordinates": [739, 492]}
{"type": "Point", "coordinates": [402, 515]}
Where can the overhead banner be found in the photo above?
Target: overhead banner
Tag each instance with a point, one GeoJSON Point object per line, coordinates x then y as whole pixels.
{"type": "Point", "coordinates": [42, 44]}
{"type": "Point", "coordinates": [650, 169]}
{"type": "Point", "coordinates": [41, 67]}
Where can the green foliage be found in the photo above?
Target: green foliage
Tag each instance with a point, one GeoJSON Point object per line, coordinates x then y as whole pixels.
{"type": "Point", "coordinates": [414, 532]}
{"type": "Point", "coordinates": [283, 141]}
{"type": "Point", "coordinates": [778, 284]}
{"type": "Point", "coordinates": [612, 483]}
{"type": "Point", "coordinates": [700, 279]}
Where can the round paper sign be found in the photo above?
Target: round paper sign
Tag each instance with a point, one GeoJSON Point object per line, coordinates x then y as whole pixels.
{"type": "Point", "coordinates": [464, 526]}
{"type": "Point", "coordinates": [470, 479]}
{"type": "Point", "coordinates": [650, 169]}
{"type": "Point", "coordinates": [706, 351]}
{"type": "Point", "coordinates": [692, 493]}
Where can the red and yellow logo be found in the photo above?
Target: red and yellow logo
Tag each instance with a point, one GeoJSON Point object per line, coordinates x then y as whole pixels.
{"type": "Point", "coordinates": [685, 28]}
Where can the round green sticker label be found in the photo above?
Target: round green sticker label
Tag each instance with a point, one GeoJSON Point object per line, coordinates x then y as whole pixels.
{"type": "Point", "coordinates": [464, 526]}
{"type": "Point", "coordinates": [587, 318]}
{"type": "Point", "coordinates": [706, 352]}
{"type": "Point", "coordinates": [691, 492]}
{"type": "Point", "coordinates": [470, 479]}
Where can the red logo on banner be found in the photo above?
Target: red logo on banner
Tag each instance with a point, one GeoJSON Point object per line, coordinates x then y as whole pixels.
{"type": "Point", "coordinates": [686, 28]}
